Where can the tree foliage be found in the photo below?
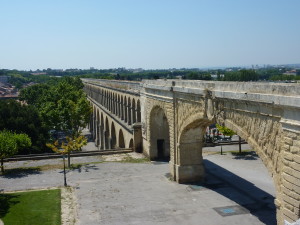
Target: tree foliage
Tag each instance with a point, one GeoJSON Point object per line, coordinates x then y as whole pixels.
{"type": "Point", "coordinates": [225, 130]}
{"type": "Point", "coordinates": [241, 75]}
{"type": "Point", "coordinates": [22, 118]}
{"type": "Point", "coordinates": [68, 146]}
{"type": "Point", "coordinates": [10, 143]}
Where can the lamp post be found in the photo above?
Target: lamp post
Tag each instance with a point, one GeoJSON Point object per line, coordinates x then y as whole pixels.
{"type": "Point", "coordinates": [65, 177]}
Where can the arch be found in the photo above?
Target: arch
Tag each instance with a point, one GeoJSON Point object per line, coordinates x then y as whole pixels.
{"type": "Point", "coordinates": [114, 104]}
{"type": "Point", "coordinates": [131, 143]}
{"type": "Point", "coordinates": [119, 106]}
{"type": "Point", "coordinates": [94, 122]}
{"type": "Point", "coordinates": [109, 101]}
{"type": "Point", "coordinates": [113, 136]}
{"type": "Point", "coordinates": [102, 137]}
{"type": "Point", "coordinates": [122, 108]}
{"type": "Point", "coordinates": [106, 132]}
{"type": "Point", "coordinates": [105, 99]}
{"type": "Point", "coordinates": [125, 110]}
{"type": "Point", "coordinates": [133, 111]}
{"type": "Point", "coordinates": [138, 111]}
{"type": "Point", "coordinates": [129, 120]}
{"type": "Point", "coordinates": [121, 139]}
{"type": "Point", "coordinates": [159, 135]}
{"type": "Point", "coordinates": [190, 166]}
{"type": "Point", "coordinates": [98, 128]}
{"type": "Point", "coordinates": [101, 96]}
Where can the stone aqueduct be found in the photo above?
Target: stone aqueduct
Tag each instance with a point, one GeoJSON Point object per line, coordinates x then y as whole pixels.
{"type": "Point", "coordinates": [167, 118]}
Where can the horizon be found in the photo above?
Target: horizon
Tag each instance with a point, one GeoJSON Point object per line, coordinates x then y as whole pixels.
{"type": "Point", "coordinates": [150, 35]}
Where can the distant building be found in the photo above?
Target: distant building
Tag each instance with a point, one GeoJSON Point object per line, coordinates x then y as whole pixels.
{"type": "Point", "coordinates": [291, 72]}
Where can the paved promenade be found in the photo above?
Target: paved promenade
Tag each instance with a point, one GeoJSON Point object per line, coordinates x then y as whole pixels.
{"type": "Point", "coordinates": [238, 190]}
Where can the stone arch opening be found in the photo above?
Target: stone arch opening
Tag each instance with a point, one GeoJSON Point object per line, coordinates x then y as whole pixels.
{"type": "Point", "coordinates": [131, 143]}
{"type": "Point", "coordinates": [159, 135]}
{"type": "Point", "coordinates": [133, 111]}
{"type": "Point", "coordinates": [138, 111]}
{"type": "Point", "coordinates": [102, 136]}
{"type": "Point", "coordinates": [189, 163]}
{"type": "Point", "coordinates": [265, 138]}
{"type": "Point", "coordinates": [119, 106]}
{"type": "Point", "coordinates": [129, 112]}
{"type": "Point", "coordinates": [121, 139]}
{"type": "Point", "coordinates": [98, 128]}
{"type": "Point", "coordinates": [113, 136]}
{"type": "Point", "coordinates": [125, 109]}
{"type": "Point", "coordinates": [122, 108]}
{"type": "Point", "coordinates": [107, 141]}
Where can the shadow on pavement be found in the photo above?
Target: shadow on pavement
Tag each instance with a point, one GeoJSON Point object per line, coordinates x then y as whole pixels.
{"type": "Point", "coordinates": [20, 172]}
{"type": "Point", "coordinates": [86, 168]}
{"type": "Point", "coordinates": [258, 202]}
{"type": "Point", "coordinates": [245, 155]}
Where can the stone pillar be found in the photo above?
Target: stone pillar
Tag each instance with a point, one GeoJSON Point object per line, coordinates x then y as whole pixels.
{"type": "Point", "coordinates": [288, 194]}
{"type": "Point", "coordinates": [137, 137]}
{"type": "Point", "coordinates": [109, 143]}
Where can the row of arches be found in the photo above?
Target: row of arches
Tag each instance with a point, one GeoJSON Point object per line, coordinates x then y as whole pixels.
{"type": "Point", "coordinates": [125, 106]}
{"type": "Point", "coordinates": [107, 134]}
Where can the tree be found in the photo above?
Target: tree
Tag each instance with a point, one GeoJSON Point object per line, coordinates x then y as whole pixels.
{"type": "Point", "coordinates": [66, 108]}
{"type": "Point", "coordinates": [225, 130]}
{"type": "Point", "coordinates": [33, 95]}
{"type": "Point", "coordinates": [23, 118]}
{"type": "Point", "coordinates": [65, 148]}
{"type": "Point", "coordinates": [10, 143]}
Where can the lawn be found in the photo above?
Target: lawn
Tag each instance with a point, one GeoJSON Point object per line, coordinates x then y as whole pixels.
{"type": "Point", "coordinates": [31, 208]}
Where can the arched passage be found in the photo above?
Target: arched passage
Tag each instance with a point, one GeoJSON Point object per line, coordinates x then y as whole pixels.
{"type": "Point", "coordinates": [98, 135]}
{"type": "Point", "coordinates": [131, 143]}
{"type": "Point", "coordinates": [159, 135]}
{"type": "Point", "coordinates": [129, 112]}
{"type": "Point", "coordinates": [113, 136]}
{"type": "Point", "coordinates": [133, 111]}
{"type": "Point", "coordinates": [107, 138]}
{"type": "Point", "coordinates": [121, 139]}
{"type": "Point", "coordinates": [138, 111]}
{"type": "Point", "coordinates": [125, 110]}
{"type": "Point", "coordinates": [189, 164]}
{"type": "Point", "coordinates": [102, 136]}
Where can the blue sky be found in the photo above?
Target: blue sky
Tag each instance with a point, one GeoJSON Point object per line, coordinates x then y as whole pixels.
{"type": "Point", "coordinates": [151, 34]}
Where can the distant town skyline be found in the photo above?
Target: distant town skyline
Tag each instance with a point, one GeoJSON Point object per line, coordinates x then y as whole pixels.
{"type": "Point", "coordinates": [148, 34]}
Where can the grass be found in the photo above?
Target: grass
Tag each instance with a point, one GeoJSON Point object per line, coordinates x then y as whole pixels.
{"type": "Point", "coordinates": [129, 159]}
{"type": "Point", "coordinates": [31, 208]}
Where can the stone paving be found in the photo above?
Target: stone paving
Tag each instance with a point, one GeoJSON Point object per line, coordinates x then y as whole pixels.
{"type": "Point", "coordinates": [237, 190]}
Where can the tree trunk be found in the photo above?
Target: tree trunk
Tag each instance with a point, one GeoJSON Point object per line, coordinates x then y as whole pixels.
{"type": "Point", "coordinates": [69, 160]}
{"type": "Point", "coordinates": [2, 167]}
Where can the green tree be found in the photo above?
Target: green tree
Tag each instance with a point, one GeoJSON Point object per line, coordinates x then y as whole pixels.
{"type": "Point", "coordinates": [225, 130]}
{"type": "Point", "coordinates": [10, 143]}
{"type": "Point", "coordinates": [34, 94]}
{"type": "Point", "coordinates": [22, 118]}
{"type": "Point", "coordinates": [70, 145]}
{"type": "Point", "coordinates": [66, 108]}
